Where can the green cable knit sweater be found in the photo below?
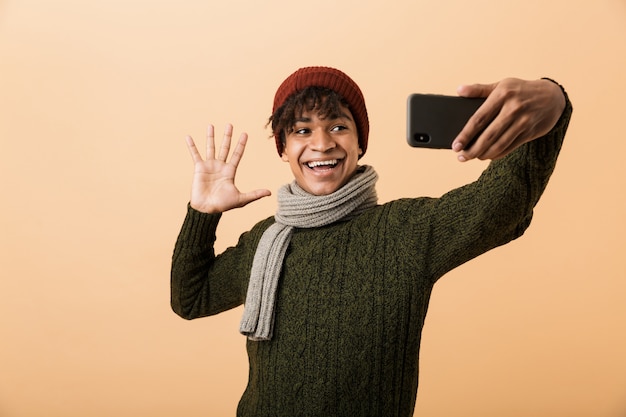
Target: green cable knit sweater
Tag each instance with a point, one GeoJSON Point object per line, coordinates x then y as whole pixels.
{"type": "Point", "coordinates": [353, 295]}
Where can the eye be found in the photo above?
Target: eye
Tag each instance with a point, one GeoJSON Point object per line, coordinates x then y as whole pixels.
{"type": "Point", "coordinates": [302, 131]}
{"type": "Point", "coordinates": [338, 128]}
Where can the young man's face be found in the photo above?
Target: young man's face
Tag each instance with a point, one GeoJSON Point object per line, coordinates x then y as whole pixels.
{"type": "Point", "coordinates": [322, 153]}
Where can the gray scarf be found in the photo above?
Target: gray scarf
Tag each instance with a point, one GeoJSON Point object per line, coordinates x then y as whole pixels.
{"type": "Point", "coordinates": [297, 209]}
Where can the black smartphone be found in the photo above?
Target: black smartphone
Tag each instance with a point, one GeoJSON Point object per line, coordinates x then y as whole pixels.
{"type": "Point", "coordinates": [434, 121]}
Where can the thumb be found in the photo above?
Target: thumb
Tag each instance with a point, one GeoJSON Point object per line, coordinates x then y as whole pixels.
{"type": "Point", "coordinates": [249, 197]}
{"type": "Point", "coordinates": [475, 90]}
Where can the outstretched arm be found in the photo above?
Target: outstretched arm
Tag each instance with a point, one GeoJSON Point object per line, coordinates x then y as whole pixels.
{"type": "Point", "coordinates": [515, 112]}
{"type": "Point", "coordinates": [498, 207]}
{"type": "Point", "coordinates": [213, 187]}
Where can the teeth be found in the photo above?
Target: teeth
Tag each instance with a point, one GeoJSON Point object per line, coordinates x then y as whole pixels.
{"type": "Point", "coordinates": [314, 164]}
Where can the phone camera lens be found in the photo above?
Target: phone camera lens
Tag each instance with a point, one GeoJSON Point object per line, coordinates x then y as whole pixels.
{"type": "Point", "coordinates": [422, 137]}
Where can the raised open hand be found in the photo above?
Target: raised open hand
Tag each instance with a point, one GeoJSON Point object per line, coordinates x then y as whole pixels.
{"type": "Point", "coordinates": [213, 187]}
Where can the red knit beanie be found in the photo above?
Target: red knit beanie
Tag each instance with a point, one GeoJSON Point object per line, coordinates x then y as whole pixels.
{"type": "Point", "coordinates": [328, 78]}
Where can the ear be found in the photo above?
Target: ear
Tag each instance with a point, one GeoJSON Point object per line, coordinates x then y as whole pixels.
{"type": "Point", "coordinates": [360, 151]}
{"type": "Point", "coordinates": [284, 157]}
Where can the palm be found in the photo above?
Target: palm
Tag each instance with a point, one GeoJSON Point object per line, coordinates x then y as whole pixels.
{"type": "Point", "coordinates": [213, 188]}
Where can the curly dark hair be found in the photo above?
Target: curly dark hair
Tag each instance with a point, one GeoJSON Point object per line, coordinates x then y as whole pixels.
{"type": "Point", "coordinates": [326, 101]}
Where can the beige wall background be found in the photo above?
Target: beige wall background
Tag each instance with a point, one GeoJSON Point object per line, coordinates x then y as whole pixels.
{"type": "Point", "coordinates": [96, 98]}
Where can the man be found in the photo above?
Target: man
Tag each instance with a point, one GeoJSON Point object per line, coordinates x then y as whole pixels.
{"type": "Point", "coordinates": [336, 286]}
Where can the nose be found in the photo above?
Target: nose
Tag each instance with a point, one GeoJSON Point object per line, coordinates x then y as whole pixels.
{"type": "Point", "coordinates": [322, 141]}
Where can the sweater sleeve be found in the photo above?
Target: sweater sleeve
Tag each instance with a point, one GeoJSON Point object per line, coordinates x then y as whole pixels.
{"type": "Point", "coordinates": [495, 209]}
{"type": "Point", "coordinates": [202, 283]}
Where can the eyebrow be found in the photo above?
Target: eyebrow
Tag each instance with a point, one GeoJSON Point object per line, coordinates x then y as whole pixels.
{"type": "Point", "coordinates": [341, 115]}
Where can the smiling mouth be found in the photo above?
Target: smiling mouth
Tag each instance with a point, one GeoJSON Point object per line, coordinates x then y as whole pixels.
{"type": "Point", "coordinates": [322, 165]}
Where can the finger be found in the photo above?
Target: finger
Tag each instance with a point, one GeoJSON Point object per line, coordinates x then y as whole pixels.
{"type": "Point", "coordinates": [514, 141]}
{"type": "Point", "coordinates": [510, 129]}
{"type": "Point", "coordinates": [475, 128]}
{"type": "Point", "coordinates": [195, 155]}
{"type": "Point", "coordinates": [481, 118]}
{"type": "Point", "coordinates": [239, 149]}
{"type": "Point", "coordinates": [210, 142]}
{"type": "Point", "coordinates": [475, 90]}
{"type": "Point", "coordinates": [491, 140]}
{"type": "Point", "coordinates": [225, 148]}
{"type": "Point", "coordinates": [512, 146]}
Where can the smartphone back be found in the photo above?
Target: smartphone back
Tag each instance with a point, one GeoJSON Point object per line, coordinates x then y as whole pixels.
{"type": "Point", "coordinates": [434, 121]}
